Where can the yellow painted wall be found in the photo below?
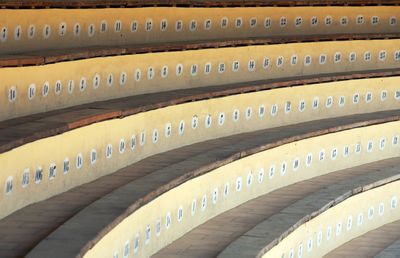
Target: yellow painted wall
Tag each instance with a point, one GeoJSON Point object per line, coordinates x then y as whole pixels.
{"type": "Point", "coordinates": [311, 238]}
{"type": "Point", "coordinates": [79, 76]}
{"type": "Point", "coordinates": [24, 22]}
{"type": "Point", "coordinates": [252, 185]}
{"type": "Point", "coordinates": [44, 152]}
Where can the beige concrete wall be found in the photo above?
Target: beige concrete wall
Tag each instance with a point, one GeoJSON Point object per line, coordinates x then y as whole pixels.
{"type": "Point", "coordinates": [41, 154]}
{"type": "Point", "coordinates": [349, 219]}
{"type": "Point", "coordinates": [16, 26]}
{"type": "Point", "coordinates": [77, 79]}
{"type": "Point", "coordinates": [253, 173]}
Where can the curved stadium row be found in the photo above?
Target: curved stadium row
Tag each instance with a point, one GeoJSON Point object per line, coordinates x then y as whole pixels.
{"type": "Point", "coordinates": [30, 90]}
{"type": "Point", "coordinates": [246, 145]}
{"type": "Point", "coordinates": [71, 28]}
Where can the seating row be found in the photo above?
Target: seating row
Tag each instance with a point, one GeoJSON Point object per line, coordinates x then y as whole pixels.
{"type": "Point", "coordinates": [30, 90]}
{"type": "Point", "coordinates": [27, 30]}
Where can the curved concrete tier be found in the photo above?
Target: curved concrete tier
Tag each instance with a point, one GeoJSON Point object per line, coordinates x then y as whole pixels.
{"type": "Point", "coordinates": [102, 148]}
{"type": "Point", "coordinates": [378, 243]}
{"type": "Point", "coordinates": [19, 131]}
{"type": "Point", "coordinates": [71, 54]}
{"type": "Point", "coordinates": [215, 3]}
{"type": "Point", "coordinates": [30, 90]}
{"type": "Point", "coordinates": [164, 215]}
{"type": "Point", "coordinates": [342, 220]}
{"type": "Point", "coordinates": [23, 229]}
{"type": "Point", "coordinates": [27, 30]}
{"type": "Point", "coordinates": [244, 230]}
